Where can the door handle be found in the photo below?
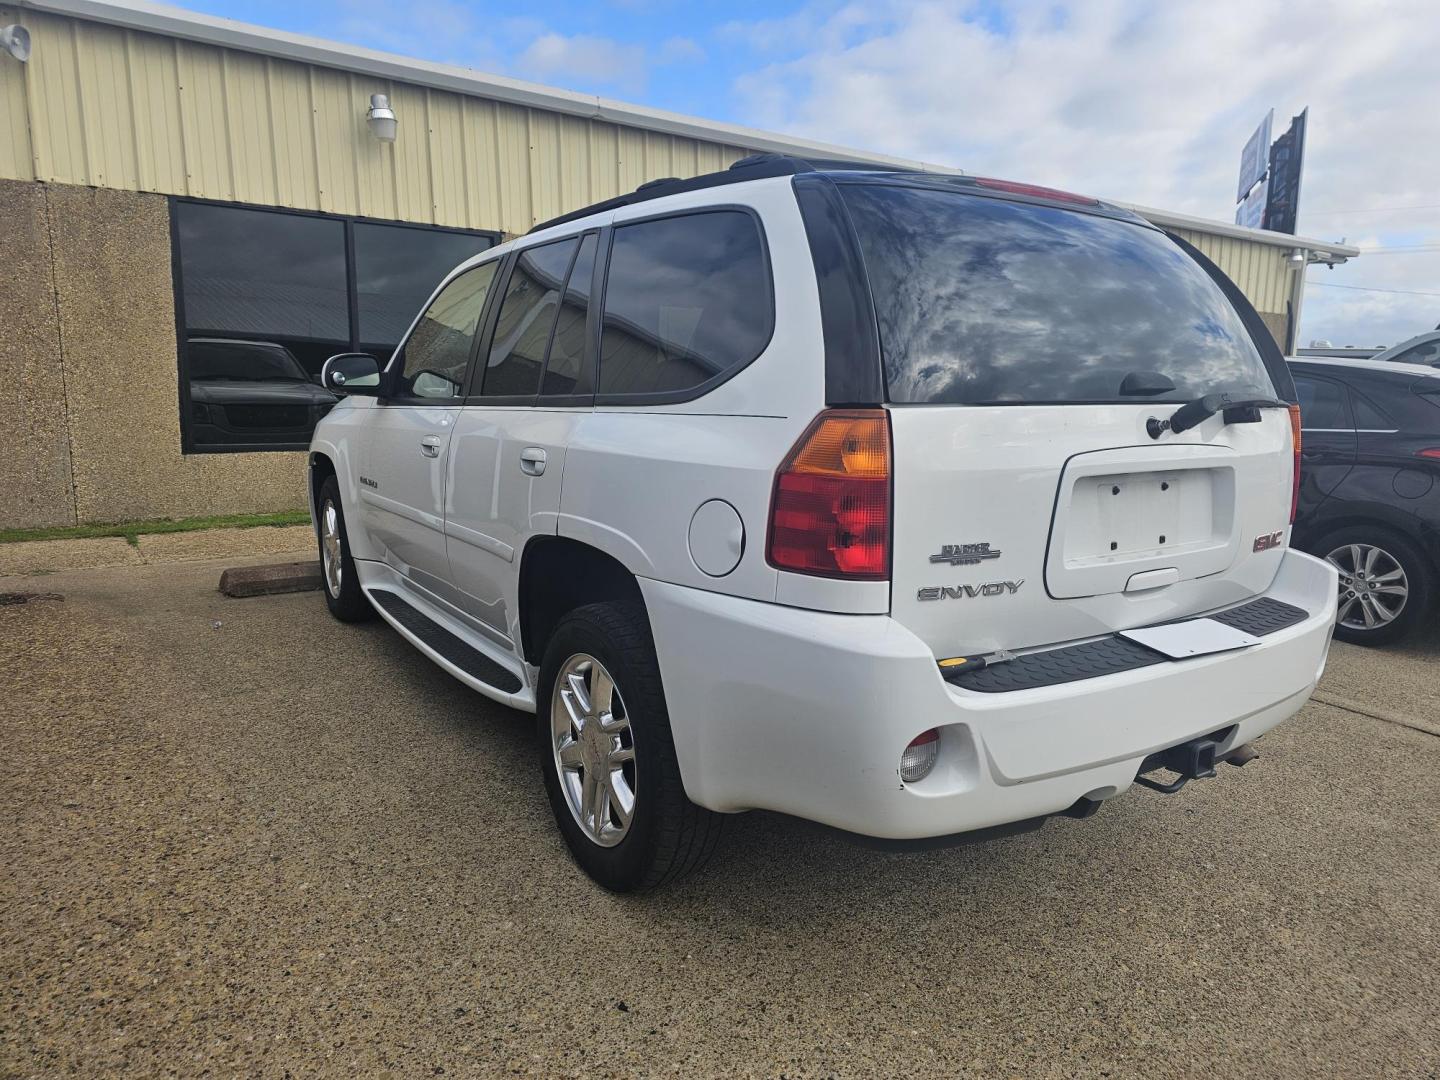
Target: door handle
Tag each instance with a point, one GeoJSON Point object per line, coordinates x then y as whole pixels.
{"type": "Point", "coordinates": [532, 460]}
{"type": "Point", "coordinates": [430, 446]}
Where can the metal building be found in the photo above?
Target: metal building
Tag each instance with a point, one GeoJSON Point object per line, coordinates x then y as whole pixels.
{"type": "Point", "coordinates": [178, 189]}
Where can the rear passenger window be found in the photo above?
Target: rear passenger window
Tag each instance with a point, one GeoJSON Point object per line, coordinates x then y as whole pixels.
{"type": "Point", "coordinates": [1368, 417]}
{"type": "Point", "coordinates": [437, 353]}
{"type": "Point", "coordinates": [567, 347]}
{"type": "Point", "coordinates": [527, 315]}
{"type": "Point", "coordinates": [687, 303]}
{"type": "Point", "coordinates": [1322, 404]}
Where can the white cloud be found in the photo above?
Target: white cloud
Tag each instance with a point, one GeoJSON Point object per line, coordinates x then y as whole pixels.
{"type": "Point", "coordinates": [680, 50]}
{"type": "Point", "coordinates": [1142, 102]}
{"type": "Point", "coordinates": [555, 57]}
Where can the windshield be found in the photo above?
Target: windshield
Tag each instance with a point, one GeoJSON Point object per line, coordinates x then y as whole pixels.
{"type": "Point", "coordinates": [242, 361]}
{"type": "Point", "coordinates": [985, 301]}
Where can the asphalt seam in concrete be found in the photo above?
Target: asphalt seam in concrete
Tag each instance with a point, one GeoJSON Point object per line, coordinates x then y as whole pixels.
{"type": "Point", "coordinates": [1351, 707]}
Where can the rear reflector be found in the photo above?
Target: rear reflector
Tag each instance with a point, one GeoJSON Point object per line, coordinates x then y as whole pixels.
{"type": "Point", "coordinates": [1295, 479]}
{"type": "Point", "coordinates": [919, 757]}
{"type": "Point", "coordinates": [1429, 452]}
{"type": "Point", "coordinates": [1034, 191]}
{"type": "Point", "coordinates": [830, 514]}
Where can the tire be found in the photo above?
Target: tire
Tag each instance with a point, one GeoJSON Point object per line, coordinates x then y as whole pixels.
{"type": "Point", "coordinates": [667, 836]}
{"type": "Point", "coordinates": [340, 583]}
{"type": "Point", "coordinates": [1394, 562]}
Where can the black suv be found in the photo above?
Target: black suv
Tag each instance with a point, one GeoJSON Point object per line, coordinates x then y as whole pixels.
{"type": "Point", "coordinates": [1369, 501]}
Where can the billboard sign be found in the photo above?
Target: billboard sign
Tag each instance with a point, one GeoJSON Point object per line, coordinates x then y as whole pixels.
{"type": "Point", "coordinates": [1287, 158]}
{"type": "Point", "coordinates": [1255, 158]}
{"type": "Point", "coordinates": [1251, 211]}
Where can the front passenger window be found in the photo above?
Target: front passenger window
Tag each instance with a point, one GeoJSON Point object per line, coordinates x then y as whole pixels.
{"type": "Point", "coordinates": [438, 352]}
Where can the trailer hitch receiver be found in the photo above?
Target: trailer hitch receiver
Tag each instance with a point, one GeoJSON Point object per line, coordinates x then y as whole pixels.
{"type": "Point", "coordinates": [1193, 760]}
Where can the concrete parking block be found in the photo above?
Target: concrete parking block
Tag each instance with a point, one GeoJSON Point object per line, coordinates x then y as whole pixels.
{"type": "Point", "coordinates": [271, 579]}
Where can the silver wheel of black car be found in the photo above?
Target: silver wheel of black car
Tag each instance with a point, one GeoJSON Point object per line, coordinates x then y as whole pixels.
{"type": "Point", "coordinates": [1374, 587]}
{"type": "Point", "coordinates": [593, 749]}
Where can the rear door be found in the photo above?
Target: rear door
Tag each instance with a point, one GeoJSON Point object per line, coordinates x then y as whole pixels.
{"type": "Point", "coordinates": [405, 449]}
{"type": "Point", "coordinates": [1026, 348]}
{"type": "Point", "coordinates": [1328, 442]}
{"type": "Point", "coordinates": [533, 381]}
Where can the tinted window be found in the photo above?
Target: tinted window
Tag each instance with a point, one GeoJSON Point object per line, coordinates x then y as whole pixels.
{"type": "Point", "coordinates": [1427, 352]}
{"type": "Point", "coordinates": [567, 346]}
{"type": "Point", "coordinates": [1322, 404]}
{"type": "Point", "coordinates": [687, 300]}
{"type": "Point", "coordinates": [243, 361]}
{"type": "Point", "coordinates": [981, 300]}
{"type": "Point", "coordinates": [396, 270]}
{"type": "Point", "coordinates": [1368, 416]}
{"type": "Point", "coordinates": [527, 315]}
{"type": "Point", "coordinates": [438, 351]}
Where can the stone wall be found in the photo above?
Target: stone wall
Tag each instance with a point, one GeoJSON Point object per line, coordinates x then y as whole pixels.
{"type": "Point", "coordinates": [89, 423]}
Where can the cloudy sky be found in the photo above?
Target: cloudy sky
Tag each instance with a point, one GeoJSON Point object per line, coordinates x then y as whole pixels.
{"type": "Point", "coordinates": [1142, 102]}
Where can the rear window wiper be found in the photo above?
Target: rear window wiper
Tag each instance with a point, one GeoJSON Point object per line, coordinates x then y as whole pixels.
{"type": "Point", "coordinates": [1236, 410]}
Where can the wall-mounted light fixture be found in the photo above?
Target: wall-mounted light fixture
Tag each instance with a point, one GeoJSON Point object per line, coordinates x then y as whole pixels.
{"type": "Point", "coordinates": [1297, 257]}
{"type": "Point", "coordinates": [16, 40]}
{"type": "Point", "coordinates": [380, 118]}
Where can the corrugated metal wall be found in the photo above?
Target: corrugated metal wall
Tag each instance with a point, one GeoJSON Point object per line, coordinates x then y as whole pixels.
{"type": "Point", "coordinates": [102, 106]}
{"type": "Point", "coordinates": [107, 107]}
{"type": "Point", "coordinates": [1260, 270]}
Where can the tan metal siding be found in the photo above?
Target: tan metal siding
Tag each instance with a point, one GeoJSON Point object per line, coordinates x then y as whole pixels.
{"type": "Point", "coordinates": [1260, 270]}
{"type": "Point", "coordinates": [115, 108]}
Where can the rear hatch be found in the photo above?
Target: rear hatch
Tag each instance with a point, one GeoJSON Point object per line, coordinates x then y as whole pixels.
{"type": "Point", "coordinates": [1026, 347]}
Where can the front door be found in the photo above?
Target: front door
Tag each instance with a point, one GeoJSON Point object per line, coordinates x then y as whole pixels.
{"type": "Point", "coordinates": [405, 451]}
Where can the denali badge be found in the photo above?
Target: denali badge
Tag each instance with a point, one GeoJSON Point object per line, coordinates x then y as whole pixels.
{"type": "Point", "coordinates": [990, 588]}
{"type": "Point", "coordinates": [1269, 540]}
{"type": "Point", "coordinates": [964, 554]}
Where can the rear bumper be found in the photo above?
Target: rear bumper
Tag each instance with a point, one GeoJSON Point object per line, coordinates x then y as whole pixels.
{"type": "Point", "coordinates": [807, 713]}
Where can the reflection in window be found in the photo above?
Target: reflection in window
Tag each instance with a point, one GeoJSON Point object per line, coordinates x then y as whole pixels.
{"type": "Point", "coordinates": [438, 351]}
{"type": "Point", "coordinates": [527, 314]}
{"type": "Point", "coordinates": [396, 270]}
{"type": "Point", "coordinates": [686, 300]}
{"type": "Point", "coordinates": [1322, 404]}
{"type": "Point", "coordinates": [567, 346]}
{"type": "Point", "coordinates": [983, 300]}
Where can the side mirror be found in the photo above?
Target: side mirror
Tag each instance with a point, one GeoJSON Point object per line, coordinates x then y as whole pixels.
{"type": "Point", "coordinates": [351, 373]}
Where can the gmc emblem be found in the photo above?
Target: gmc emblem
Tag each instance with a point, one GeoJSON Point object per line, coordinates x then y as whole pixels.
{"type": "Point", "coordinates": [1269, 540]}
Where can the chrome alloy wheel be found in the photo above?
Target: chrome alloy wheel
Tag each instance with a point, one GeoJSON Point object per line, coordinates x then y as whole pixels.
{"type": "Point", "coordinates": [1373, 586]}
{"type": "Point", "coordinates": [330, 547]}
{"type": "Point", "coordinates": [594, 749]}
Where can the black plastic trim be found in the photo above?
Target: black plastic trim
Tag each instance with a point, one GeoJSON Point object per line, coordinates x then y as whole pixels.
{"type": "Point", "coordinates": [853, 373]}
{"type": "Point", "coordinates": [447, 645]}
{"type": "Point", "coordinates": [1110, 655]}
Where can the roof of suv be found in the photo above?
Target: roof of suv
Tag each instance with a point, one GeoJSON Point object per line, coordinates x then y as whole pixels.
{"type": "Point", "coordinates": [765, 166]}
{"type": "Point", "coordinates": [1374, 367]}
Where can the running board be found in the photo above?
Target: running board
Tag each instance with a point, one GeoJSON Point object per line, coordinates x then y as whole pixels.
{"type": "Point", "coordinates": [444, 645]}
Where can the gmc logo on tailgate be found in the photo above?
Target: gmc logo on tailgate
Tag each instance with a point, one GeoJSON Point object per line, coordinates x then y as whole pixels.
{"type": "Point", "coordinates": [1266, 541]}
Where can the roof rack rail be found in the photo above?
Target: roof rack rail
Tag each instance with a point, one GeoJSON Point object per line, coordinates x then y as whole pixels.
{"type": "Point", "coordinates": [754, 167]}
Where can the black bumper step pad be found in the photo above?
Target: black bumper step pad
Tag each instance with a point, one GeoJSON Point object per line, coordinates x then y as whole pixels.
{"type": "Point", "coordinates": [469, 660]}
{"type": "Point", "coordinates": [1107, 656]}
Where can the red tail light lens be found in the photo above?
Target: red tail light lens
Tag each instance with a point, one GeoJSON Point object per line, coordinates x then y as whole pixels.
{"type": "Point", "coordinates": [1429, 452]}
{"type": "Point", "coordinates": [830, 514]}
{"type": "Point", "coordinates": [1295, 480]}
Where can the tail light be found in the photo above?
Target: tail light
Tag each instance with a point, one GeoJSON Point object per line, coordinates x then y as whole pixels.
{"type": "Point", "coordinates": [830, 514]}
{"type": "Point", "coordinates": [1429, 452]}
{"type": "Point", "coordinates": [1295, 479]}
{"type": "Point", "coordinates": [919, 757]}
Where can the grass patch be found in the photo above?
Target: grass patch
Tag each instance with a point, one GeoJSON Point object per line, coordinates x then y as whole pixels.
{"type": "Point", "coordinates": [132, 530]}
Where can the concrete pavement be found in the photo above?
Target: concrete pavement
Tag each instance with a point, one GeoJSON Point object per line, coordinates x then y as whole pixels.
{"type": "Point", "coordinates": [244, 838]}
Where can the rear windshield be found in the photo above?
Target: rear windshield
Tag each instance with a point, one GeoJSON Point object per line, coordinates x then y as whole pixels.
{"type": "Point", "coordinates": [984, 301]}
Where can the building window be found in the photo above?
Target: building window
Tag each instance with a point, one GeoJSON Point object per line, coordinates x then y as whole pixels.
{"type": "Point", "coordinates": [266, 296]}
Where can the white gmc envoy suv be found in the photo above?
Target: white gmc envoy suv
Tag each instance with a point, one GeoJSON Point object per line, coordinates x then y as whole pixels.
{"type": "Point", "coordinates": [910, 504]}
